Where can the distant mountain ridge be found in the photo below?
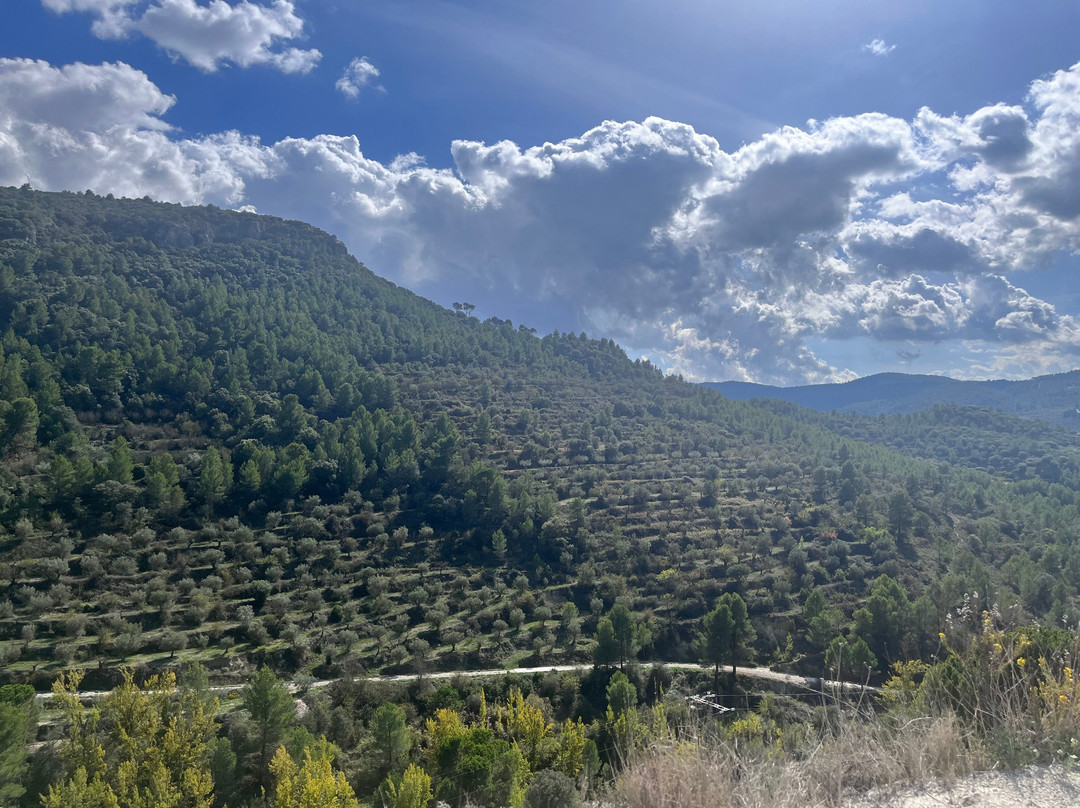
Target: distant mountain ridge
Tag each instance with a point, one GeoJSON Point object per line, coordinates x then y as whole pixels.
{"type": "Point", "coordinates": [1054, 399]}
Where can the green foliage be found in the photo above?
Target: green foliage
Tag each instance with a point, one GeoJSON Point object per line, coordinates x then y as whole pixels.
{"type": "Point", "coordinates": [621, 694]}
{"type": "Point", "coordinates": [14, 729]}
{"type": "Point", "coordinates": [120, 465]}
{"type": "Point", "coordinates": [850, 660]}
{"type": "Point", "coordinates": [215, 475]}
{"type": "Point", "coordinates": [411, 790]}
{"type": "Point", "coordinates": [391, 735]}
{"type": "Point", "coordinates": [311, 783]}
{"type": "Point", "coordinates": [619, 636]}
{"type": "Point", "coordinates": [142, 747]}
{"type": "Point", "coordinates": [478, 769]}
{"type": "Point", "coordinates": [727, 635]}
{"type": "Point", "coordinates": [272, 711]}
{"type": "Point", "coordinates": [79, 792]}
{"type": "Point", "coordinates": [552, 789]}
{"type": "Point", "coordinates": [570, 758]}
{"type": "Point", "coordinates": [247, 445]}
{"type": "Point", "coordinates": [885, 619]}
{"type": "Point", "coordinates": [714, 642]}
{"type": "Point", "coordinates": [606, 651]}
{"type": "Point", "coordinates": [822, 621]}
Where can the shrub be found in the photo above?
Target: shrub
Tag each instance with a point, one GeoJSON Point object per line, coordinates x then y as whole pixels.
{"type": "Point", "coordinates": [551, 789]}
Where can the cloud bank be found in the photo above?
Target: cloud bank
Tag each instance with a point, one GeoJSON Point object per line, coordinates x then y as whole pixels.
{"type": "Point", "coordinates": [909, 234]}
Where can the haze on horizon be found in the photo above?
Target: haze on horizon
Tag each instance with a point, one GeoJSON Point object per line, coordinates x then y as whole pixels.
{"type": "Point", "coordinates": [780, 194]}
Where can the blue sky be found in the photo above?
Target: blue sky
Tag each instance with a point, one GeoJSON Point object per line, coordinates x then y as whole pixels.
{"type": "Point", "coordinates": [776, 191]}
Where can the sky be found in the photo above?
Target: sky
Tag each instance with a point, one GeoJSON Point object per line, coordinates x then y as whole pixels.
{"type": "Point", "coordinates": [772, 191]}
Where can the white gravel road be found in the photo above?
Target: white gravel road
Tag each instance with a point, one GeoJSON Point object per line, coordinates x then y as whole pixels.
{"type": "Point", "coordinates": [1033, 787]}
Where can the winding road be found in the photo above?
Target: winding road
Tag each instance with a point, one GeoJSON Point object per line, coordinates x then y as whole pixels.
{"type": "Point", "coordinates": [810, 683]}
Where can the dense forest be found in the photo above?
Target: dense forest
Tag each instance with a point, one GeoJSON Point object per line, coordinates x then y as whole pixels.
{"type": "Point", "coordinates": [229, 449]}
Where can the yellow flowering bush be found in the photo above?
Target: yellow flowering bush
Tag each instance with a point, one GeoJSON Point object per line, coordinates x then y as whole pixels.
{"type": "Point", "coordinates": [1016, 689]}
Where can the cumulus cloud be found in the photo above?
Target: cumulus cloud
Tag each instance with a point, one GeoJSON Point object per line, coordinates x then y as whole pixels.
{"type": "Point", "coordinates": [794, 183]}
{"type": "Point", "coordinates": [878, 47]}
{"type": "Point", "coordinates": [206, 37]}
{"type": "Point", "coordinates": [359, 74]}
{"type": "Point", "coordinates": [1014, 173]}
{"type": "Point", "coordinates": [715, 264]}
{"type": "Point", "coordinates": [80, 97]}
{"type": "Point", "coordinates": [100, 126]}
{"type": "Point", "coordinates": [986, 308]}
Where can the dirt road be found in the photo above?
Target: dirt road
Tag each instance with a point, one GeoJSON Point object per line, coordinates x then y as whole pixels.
{"type": "Point", "coordinates": [810, 683]}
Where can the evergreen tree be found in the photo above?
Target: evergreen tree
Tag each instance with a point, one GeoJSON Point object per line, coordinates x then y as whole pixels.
{"type": "Point", "coordinates": [621, 694]}
{"type": "Point", "coordinates": [727, 635]}
{"type": "Point", "coordinates": [18, 721]}
{"type": "Point", "coordinates": [626, 631]}
{"type": "Point", "coordinates": [272, 711]}
{"type": "Point", "coordinates": [850, 660]}
{"type": "Point", "coordinates": [120, 465]}
{"type": "Point", "coordinates": [742, 632]}
{"type": "Point", "coordinates": [885, 619]}
{"type": "Point", "coordinates": [714, 641]}
{"type": "Point", "coordinates": [214, 478]}
{"type": "Point", "coordinates": [606, 651]}
{"type": "Point", "coordinates": [392, 739]}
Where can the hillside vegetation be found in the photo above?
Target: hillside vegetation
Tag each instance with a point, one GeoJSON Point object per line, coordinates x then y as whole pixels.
{"type": "Point", "coordinates": [224, 440]}
{"type": "Point", "coordinates": [1054, 399]}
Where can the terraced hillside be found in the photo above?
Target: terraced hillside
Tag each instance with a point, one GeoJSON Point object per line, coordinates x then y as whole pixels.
{"type": "Point", "coordinates": [225, 439]}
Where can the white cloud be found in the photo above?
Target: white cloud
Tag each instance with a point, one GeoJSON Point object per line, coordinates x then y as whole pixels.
{"type": "Point", "coordinates": [715, 264]}
{"type": "Point", "coordinates": [359, 74]}
{"type": "Point", "coordinates": [1015, 176]}
{"type": "Point", "coordinates": [986, 308]}
{"type": "Point", "coordinates": [206, 36]}
{"type": "Point", "coordinates": [878, 47]}
{"type": "Point", "coordinates": [112, 15]}
{"type": "Point", "coordinates": [92, 98]}
{"type": "Point", "coordinates": [99, 126]}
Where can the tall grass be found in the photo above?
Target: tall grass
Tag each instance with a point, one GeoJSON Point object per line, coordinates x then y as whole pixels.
{"type": "Point", "coordinates": [1000, 699]}
{"type": "Point", "coordinates": [850, 755]}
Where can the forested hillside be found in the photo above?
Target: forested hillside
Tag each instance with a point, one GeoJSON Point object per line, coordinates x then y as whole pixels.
{"type": "Point", "coordinates": [223, 439]}
{"type": "Point", "coordinates": [982, 438]}
{"type": "Point", "coordinates": [220, 427]}
{"type": "Point", "coordinates": [1054, 399]}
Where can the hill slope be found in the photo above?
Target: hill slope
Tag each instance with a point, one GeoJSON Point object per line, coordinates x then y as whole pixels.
{"type": "Point", "coordinates": [1055, 399]}
{"type": "Point", "coordinates": [222, 433]}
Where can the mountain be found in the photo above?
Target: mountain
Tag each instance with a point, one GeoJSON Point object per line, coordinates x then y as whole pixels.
{"type": "Point", "coordinates": [224, 438]}
{"type": "Point", "coordinates": [1054, 398]}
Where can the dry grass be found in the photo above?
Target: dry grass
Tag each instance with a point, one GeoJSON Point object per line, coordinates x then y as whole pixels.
{"type": "Point", "coordinates": [850, 757]}
{"type": "Point", "coordinates": [1001, 699]}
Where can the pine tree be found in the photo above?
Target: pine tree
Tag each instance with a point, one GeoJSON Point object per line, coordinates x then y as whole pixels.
{"type": "Point", "coordinates": [120, 465]}
{"type": "Point", "coordinates": [742, 631]}
{"type": "Point", "coordinates": [714, 642]}
{"type": "Point", "coordinates": [606, 651]}
{"type": "Point", "coordinates": [272, 710]}
{"type": "Point", "coordinates": [214, 478]}
{"type": "Point", "coordinates": [18, 714]}
{"type": "Point", "coordinates": [392, 739]}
